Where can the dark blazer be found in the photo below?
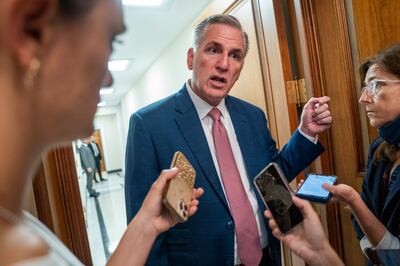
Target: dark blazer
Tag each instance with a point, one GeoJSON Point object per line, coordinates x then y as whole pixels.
{"type": "Point", "coordinates": [172, 124]}
{"type": "Point", "coordinates": [98, 157]}
{"type": "Point", "coordinates": [385, 207]}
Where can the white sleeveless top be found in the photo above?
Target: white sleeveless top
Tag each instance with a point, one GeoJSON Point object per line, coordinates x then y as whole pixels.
{"type": "Point", "coordinates": [58, 254]}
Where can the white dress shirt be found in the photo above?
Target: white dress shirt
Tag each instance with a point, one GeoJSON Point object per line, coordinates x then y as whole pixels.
{"type": "Point", "coordinates": [95, 150]}
{"type": "Point", "coordinates": [203, 108]}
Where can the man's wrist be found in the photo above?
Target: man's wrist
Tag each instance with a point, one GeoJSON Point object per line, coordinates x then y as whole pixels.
{"type": "Point", "coordinates": [307, 135]}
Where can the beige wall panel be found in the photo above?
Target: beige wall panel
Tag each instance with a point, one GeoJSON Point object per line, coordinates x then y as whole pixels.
{"type": "Point", "coordinates": [249, 86]}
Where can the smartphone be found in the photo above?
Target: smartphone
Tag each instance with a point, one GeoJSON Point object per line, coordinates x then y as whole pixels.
{"type": "Point", "coordinates": [312, 188]}
{"type": "Point", "coordinates": [179, 190]}
{"type": "Point", "coordinates": [277, 196]}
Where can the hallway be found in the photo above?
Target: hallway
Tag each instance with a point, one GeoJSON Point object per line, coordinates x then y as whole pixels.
{"type": "Point", "coordinates": [106, 219]}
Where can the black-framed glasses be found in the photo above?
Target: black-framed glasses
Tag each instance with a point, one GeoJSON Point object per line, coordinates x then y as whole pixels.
{"type": "Point", "coordinates": [373, 86]}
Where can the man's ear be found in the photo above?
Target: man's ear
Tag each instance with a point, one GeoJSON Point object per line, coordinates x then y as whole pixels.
{"type": "Point", "coordinates": [26, 25]}
{"type": "Point", "coordinates": [189, 59]}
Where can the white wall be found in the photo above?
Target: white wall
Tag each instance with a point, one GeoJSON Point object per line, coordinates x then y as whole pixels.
{"type": "Point", "coordinates": [168, 73]}
{"type": "Point", "coordinates": [164, 77]}
{"type": "Point", "coordinates": [109, 121]}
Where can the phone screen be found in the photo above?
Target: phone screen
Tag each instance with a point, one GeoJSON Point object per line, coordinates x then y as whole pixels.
{"type": "Point", "coordinates": [277, 196]}
{"type": "Point", "coordinates": [312, 188]}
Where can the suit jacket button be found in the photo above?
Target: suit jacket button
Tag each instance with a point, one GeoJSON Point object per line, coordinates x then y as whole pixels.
{"type": "Point", "coordinates": [230, 225]}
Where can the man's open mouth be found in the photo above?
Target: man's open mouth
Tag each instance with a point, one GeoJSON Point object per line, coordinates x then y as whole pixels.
{"type": "Point", "coordinates": [219, 79]}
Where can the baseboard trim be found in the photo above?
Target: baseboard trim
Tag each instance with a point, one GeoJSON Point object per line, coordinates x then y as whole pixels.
{"type": "Point", "coordinates": [114, 171]}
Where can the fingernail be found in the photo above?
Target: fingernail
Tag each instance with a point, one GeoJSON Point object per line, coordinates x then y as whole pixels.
{"type": "Point", "coordinates": [173, 169]}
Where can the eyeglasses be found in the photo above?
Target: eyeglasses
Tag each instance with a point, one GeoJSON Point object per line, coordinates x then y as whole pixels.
{"type": "Point", "coordinates": [373, 86]}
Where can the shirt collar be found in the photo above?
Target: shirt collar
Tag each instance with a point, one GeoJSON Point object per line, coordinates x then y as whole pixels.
{"type": "Point", "coordinates": [203, 107]}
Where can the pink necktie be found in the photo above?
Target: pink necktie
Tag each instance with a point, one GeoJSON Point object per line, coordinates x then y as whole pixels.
{"type": "Point", "coordinates": [249, 247]}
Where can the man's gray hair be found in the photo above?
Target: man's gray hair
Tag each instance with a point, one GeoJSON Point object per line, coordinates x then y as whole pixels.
{"type": "Point", "coordinates": [219, 19]}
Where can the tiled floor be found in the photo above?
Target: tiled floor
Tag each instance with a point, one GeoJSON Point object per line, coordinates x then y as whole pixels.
{"type": "Point", "coordinates": [106, 218]}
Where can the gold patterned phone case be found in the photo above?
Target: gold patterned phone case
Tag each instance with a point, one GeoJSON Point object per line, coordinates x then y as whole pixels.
{"type": "Point", "coordinates": [179, 190]}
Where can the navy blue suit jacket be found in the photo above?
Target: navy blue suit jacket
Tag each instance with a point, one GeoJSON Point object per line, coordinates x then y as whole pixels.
{"type": "Point", "coordinates": [157, 131]}
{"type": "Point", "coordinates": [385, 207]}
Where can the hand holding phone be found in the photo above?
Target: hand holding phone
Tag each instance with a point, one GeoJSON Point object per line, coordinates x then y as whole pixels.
{"type": "Point", "coordinates": [179, 191]}
{"type": "Point", "coordinates": [312, 189]}
{"type": "Point", "coordinates": [277, 196]}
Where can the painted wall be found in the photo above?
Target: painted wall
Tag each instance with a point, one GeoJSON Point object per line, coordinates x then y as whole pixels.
{"type": "Point", "coordinates": [168, 74]}
{"type": "Point", "coordinates": [163, 78]}
{"type": "Point", "coordinates": [109, 121]}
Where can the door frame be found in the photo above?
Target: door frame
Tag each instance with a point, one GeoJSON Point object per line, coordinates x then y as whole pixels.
{"type": "Point", "coordinates": [58, 201]}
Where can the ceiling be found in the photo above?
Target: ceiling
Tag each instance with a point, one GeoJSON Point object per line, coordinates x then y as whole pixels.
{"type": "Point", "coordinates": [150, 31]}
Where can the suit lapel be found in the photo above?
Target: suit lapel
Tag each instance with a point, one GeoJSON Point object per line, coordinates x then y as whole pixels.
{"type": "Point", "coordinates": [243, 135]}
{"type": "Point", "coordinates": [242, 131]}
{"type": "Point", "coordinates": [394, 191]}
{"type": "Point", "coordinates": [190, 126]}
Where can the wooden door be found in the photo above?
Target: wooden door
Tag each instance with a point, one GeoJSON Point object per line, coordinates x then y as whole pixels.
{"type": "Point", "coordinates": [262, 80]}
{"type": "Point", "coordinates": [376, 26]}
{"type": "Point", "coordinates": [268, 67]}
{"type": "Point", "coordinates": [97, 137]}
{"type": "Point", "coordinates": [58, 201]}
{"type": "Point", "coordinates": [331, 72]}
{"type": "Point", "coordinates": [337, 36]}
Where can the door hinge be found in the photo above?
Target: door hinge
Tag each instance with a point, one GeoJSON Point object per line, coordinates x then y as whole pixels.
{"type": "Point", "coordinates": [297, 91]}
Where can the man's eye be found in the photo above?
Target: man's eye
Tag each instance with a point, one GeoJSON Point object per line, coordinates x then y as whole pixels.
{"type": "Point", "coordinates": [212, 50]}
{"type": "Point", "coordinates": [236, 56]}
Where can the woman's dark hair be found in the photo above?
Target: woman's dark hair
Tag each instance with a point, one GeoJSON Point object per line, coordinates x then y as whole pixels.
{"type": "Point", "coordinates": [389, 61]}
{"type": "Point", "coordinates": [74, 8]}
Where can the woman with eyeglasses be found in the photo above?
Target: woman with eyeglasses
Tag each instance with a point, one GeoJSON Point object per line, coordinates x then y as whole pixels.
{"type": "Point", "coordinates": [376, 212]}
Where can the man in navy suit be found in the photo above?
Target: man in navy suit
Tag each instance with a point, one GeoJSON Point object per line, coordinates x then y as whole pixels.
{"type": "Point", "coordinates": [181, 122]}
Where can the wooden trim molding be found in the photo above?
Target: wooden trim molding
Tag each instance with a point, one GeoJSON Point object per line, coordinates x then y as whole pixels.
{"type": "Point", "coordinates": [289, 65]}
{"type": "Point", "coordinates": [352, 86]}
{"type": "Point", "coordinates": [235, 4]}
{"type": "Point", "coordinates": [42, 198]}
{"type": "Point", "coordinates": [317, 76]}
{"type": "Point", "coordinates": [332, 73]}
{"type": "Point", "coordinates": [317, 73]}
{"type": "Point", "coordinates": [61, 191]}
{"type": "Point", "coordinates": [261, 43]}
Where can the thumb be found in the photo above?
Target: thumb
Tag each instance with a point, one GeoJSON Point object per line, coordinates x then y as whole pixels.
{"type": "Point", "coordinates": [164, 177]}
{"type": "Point", "coordinates": [329, 187]}
{"type": "Point", "coordinates": [305, 207]}
{"type": "Point", "coordinates": [311, 103]}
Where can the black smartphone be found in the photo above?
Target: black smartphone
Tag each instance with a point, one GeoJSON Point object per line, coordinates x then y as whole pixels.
{"type": "Point", "coordinates": [312, 188]}
{"type": "Point", "coordinates": [277, 196]}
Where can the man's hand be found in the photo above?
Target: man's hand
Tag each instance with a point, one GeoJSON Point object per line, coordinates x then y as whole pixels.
{"type": "Point", "coordinates": [316, 116]}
